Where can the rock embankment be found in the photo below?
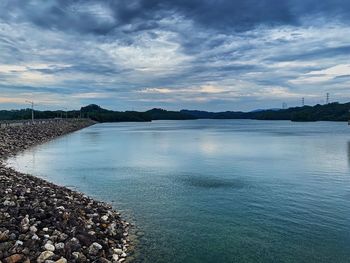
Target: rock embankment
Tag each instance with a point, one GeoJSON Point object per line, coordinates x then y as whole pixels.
{"type": "Point", "coordinates": [42, 222]}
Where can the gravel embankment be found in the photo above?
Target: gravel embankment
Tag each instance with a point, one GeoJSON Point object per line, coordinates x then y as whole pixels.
{"type": "Point", "coordinates": [43, 222]}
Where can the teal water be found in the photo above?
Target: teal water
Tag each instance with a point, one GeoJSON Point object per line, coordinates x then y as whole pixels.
{"type": "Point", "coordinates": [214, 190]}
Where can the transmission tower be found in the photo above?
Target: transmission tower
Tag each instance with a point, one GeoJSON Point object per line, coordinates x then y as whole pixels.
{"type": "Point", "coordinates": [327, 98]}
{"type": "Point", "coordinates": [303, 102]}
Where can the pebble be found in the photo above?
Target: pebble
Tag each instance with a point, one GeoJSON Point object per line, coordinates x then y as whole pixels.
{"type": "Point", "coordinates": [118, 251]}
{"type": "Point", "coordinates": [14, 258]}
{"type": "Point", "coordinates": [44, 256]}
{"type": "Point", "coordinates": [94, 248]}
{"type": "Point", "coordinates": [45, 223]}
{"type": "Point", "coordinates": [19, 243]}
{"type": "Point", "coordinates": [59, 246]}
{"type": "Point", "coordinates": [33, 229]}
{"type": "Point", "coordinates": [4, 235]}
{"type": "Point", "coordinates": [61, 260]}
{"type": "Point", "coordinates": [49, 247]}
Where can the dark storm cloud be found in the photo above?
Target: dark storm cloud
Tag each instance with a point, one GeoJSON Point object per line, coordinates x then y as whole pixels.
{"type": "Point", "coordinates": [104, 16]}
{"type": "Point", "coordinates": [119, 48]}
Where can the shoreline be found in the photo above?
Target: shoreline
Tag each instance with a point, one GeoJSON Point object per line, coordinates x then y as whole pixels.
{"type": "Point", "coordinates": [44, 222]}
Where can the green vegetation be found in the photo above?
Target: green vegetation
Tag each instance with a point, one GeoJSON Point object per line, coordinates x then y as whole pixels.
{"type": "Point", "coordinates": [329, 112]}
{"type": "Point", "coordinates": [160, 114]}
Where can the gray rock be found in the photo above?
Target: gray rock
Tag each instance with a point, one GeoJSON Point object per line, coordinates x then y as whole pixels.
{"type": "Point", "coordinates": [59, 246]}
{"type": "Point", "coordinates": [94, 248]}
{"type": "Point", "coordinates": [33, 229]}
{"type": "Point", "coordinates": [9, 203]}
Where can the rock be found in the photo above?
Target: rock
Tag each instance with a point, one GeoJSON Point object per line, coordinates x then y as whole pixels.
{"type": "Point", "coordinates": [63, 236]}
{"type": "Point", "coordinates": [61, 260]}
{"type": "Point", "coordinates": [44, 256]}
{"type": "Point", "coordinates": [4, 236]}
{"type": "Point", "coordinates": [36, 215]}
{"type": "Point", "coordinates": [79, 257]}
{"type": "Point", "coordinates": [118, 251]}
{"type": "Point", "coordinates": [5, 246]}
{"type": "Point", "coordinates": [33, 229]}
{"type": "Point", "coordinates": [94, 248]}
{"type": "Point", "coordinates": [73, 245]}
{"type": "Point", "coordinates": [25, 223]}
{"type": "Point", "coordinates": [104, 260]}
{"type": "Point", "coordinates": [59, 246]}
{"type": "Point", "coordinates": [14, 258]}
{"type": "Point", "coordinates": [9, 203]}
{"type": "Point", "coordinates": [49, 247]}
{"type": "Point", "coordinates": [19, 243]}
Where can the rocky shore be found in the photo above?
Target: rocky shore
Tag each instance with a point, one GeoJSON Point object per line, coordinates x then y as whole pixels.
{"type": "Point", "coordinates": [42, 222]}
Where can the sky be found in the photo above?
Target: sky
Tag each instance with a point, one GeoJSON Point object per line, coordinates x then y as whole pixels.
{"type": "Point", "coordinates": [212, 55]}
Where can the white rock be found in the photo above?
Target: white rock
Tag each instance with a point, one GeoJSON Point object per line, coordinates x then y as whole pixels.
{"type": "Point", "coordinates": [45, 229]}
{"type": "Point", "coordinates": [18, 243]}
{"type": "Point", "coordinates": [115, 258]}
{"type": "Point", "coordinates": [49, 247]}
{"type": "Point", "coordinates": [118, 251]}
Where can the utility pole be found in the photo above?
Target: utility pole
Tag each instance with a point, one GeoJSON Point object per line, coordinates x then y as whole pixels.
{"type": "Point", "coordinates": [327, 98]}
{"type": "Point", "coordinates": [32, 103]}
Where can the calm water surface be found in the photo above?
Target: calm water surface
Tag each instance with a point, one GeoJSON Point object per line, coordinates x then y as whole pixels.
{"type": "Point", "coordinates": [214, 190]}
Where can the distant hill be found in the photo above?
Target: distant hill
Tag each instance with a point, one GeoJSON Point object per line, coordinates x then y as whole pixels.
{"type": "Point", "coordinates": [215, 115]}
{"type": "Point", "coordinates": [160, 114]}
{"type": "Point", "coordinates": [99, 114]}
{"type": "Point", "coordinates": [328, 112]}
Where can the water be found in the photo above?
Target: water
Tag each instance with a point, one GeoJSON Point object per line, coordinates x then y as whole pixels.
{"type": "Point", "coordinates": [214, 190]}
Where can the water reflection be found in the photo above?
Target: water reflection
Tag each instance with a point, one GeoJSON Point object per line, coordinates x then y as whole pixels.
{"type": "Point", "coordinates": [215, 190]}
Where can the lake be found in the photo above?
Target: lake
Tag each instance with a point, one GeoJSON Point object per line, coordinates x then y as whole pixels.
{"type": "Point", "coordinates": [214, 190]}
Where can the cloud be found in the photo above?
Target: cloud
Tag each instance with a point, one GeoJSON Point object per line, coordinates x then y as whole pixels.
{"type": "Point", "coordinates": [325, 75]}
{"type": "Point", "coordinates": [174, 53]}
